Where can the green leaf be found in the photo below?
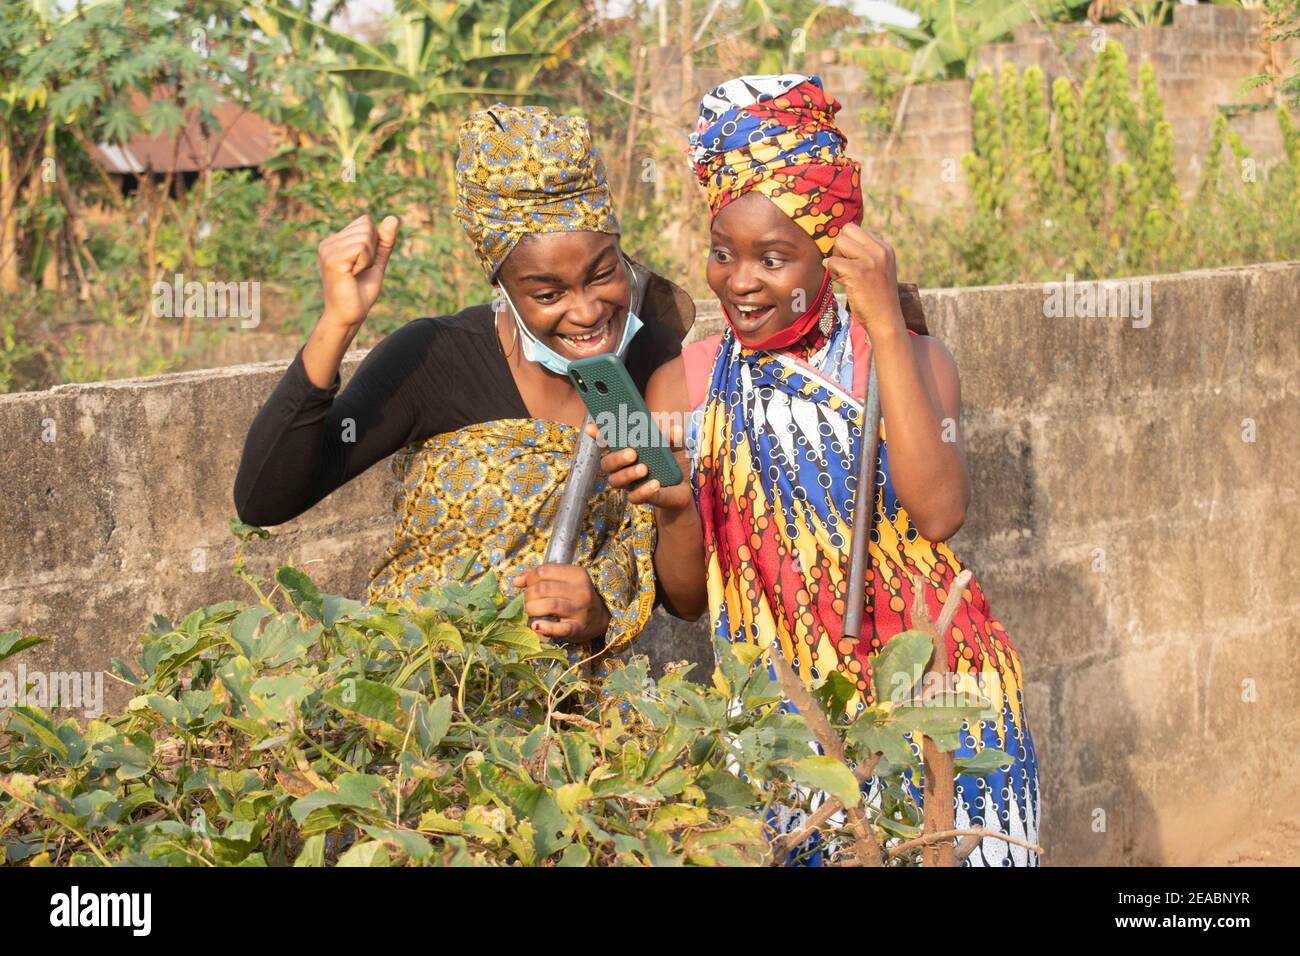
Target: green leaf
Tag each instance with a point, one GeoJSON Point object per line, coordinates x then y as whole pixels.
{"type": "Point", "coordinates": [896, 754]}
{"type": "Point", "coordinates": [366, 854]}
{"type": "Point", "coordinates": [237, 841]}
{"type": "Point", "coordinates": [412, 844]}
{"type": "Point", "coordinates": [722, 789]}
{"type": "Point", "coordinates": [118, 123]}
{"type": "Point", "coordinates": [438, 631]}
{"type": "Point", "coordinates": [575, 855]}
{"type": "Point", "coordinates": [436, 822]}
{"type": "Point", "coordinates": [38, 729]}
{"type": "Point", "coordinates": [827, 773]}
{"type": "Point", "coordinates": [733, 669]}
{"type": "Point", "coordinates": [571, 796]}
{"type": "Point", "coordinates": [123, 756]}
{"type": "Point", "coordinates": [302, 591]}
{"type": "Point", "coordinates": [236, 676]}
{"type": "Point", "coordinates": [512, 608]}
{"type": "Point", "coordinates": [517, 637]}
{"type": "Point", "coordinates": [672, 743]}
{"type": "Point", "coordinates": [77, 745]}
{"type": "Point", "coordinates": [335, 608]}
{"type": "Point", "coordinates": [551, 828]}
{"type": "Point", "coordinates": [432, 721]}
{"type": "Point", "coordinates": [244, 629]}
{"type": "Point", "coordinates": [989, 760]}
{"type": "Point", "coordinates": [122, 669]}
{"type": "Point", "coordinates": [283, 640]}
{"type": "Point", "coordinates": [170, 710]}
{"type": "Point", "coordinates": [942, 724]}
{"type": "Point", "coordinates": [358, 790]}
{"type": "Point", "coordinates": [577, 754]}
{"type": "Point", "coordinates": [835, 692]}
{"type": "Point", "coordinates": [900, 664]}
{"type": "Point", "coordinates": [632, 679]}
{"type": "Point", "coordinates": [675, 816]}
{"type": "Point", "coordinates": [247, 531]}
{"type": "Point", "coordinates": [280, 696]}
{"type": "Point", "coordinates": [163, 117]}
{"type": "Point", "coordinates": [11, 642]}
{"type": "Point", "coordinates": [673, 781]}
{"type": "Point", "coordinates": [377, 706]}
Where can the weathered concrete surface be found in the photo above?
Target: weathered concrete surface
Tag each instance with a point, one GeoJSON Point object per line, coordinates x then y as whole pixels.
{"type": "Point", "coordinates": [1133, 544]}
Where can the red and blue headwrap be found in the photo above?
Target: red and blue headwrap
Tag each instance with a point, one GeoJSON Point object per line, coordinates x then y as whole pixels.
{"type": "Point", "coordinates": [777, 135]}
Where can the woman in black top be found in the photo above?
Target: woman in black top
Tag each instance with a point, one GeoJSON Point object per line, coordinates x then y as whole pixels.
{"type": "Point", "coordinates": [474, 405]}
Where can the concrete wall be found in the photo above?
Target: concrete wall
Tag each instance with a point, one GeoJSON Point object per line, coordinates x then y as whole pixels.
{"type": "Point", "coordinates": [1134, 545]}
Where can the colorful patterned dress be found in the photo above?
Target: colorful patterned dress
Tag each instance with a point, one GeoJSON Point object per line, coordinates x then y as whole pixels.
{"type": "Point", "coordinates": [774, 438]}
{"type": "Point", "coordinates": [493, 489]}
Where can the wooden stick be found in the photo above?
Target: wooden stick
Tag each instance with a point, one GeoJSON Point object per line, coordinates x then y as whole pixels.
{"type": "Point", "coordinates": [966, 847]}
{"type": "Point", "coordinates": [827, 809]}
{"type": "Point", "coordinates": [952, 604]}
{"type": "Point", "coordinates": [866, 844]}
{"type": "Point", "coordinates": [629, 144]}
{"type": "Point", "coordinates": [940, 785]}
{"type": "Point", "coordinates": [949, 834]}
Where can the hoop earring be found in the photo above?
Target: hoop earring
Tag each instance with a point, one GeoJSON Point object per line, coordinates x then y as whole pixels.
{"type": "Point", "coordinates": [632, 282]}
{"type": "Point", "coordinates": [514, 340]}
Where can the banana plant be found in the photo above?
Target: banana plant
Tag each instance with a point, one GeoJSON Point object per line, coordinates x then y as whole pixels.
{"type": "Point", "coordinates": [950, 31]}
{"type": "Point", "coordinates": [435, 55]}
{"type": "Point", "coordinates": [1148, 13]}
{"type": "Point", "coordinates": [784, 29]}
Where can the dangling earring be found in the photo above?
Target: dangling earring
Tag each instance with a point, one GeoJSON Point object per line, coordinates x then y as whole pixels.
{"type": "Point", "coordinates": [827, 321]}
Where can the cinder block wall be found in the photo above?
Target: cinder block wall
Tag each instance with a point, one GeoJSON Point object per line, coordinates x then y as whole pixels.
{"type": "Point", "coordinates": [1135, 545]}
{"type": "Point", "coordinates": [1201, 60]}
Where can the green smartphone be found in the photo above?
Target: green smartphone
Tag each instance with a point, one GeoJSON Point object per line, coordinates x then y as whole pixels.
{"type": "Point", "coordinates": [620, 413]}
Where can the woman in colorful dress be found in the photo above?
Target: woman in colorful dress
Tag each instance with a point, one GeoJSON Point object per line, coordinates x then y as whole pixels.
{"type": "Point", "coordinates": [775, 410]}
{"type": "Point", "coordinates": [476, 405]}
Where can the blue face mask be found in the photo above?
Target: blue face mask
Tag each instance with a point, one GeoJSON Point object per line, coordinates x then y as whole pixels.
{"type": "Point", "coordinates": [537, 351]}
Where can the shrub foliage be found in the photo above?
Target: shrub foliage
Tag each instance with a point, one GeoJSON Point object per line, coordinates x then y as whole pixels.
{"type": "Point", "coordinates": [309, 729]}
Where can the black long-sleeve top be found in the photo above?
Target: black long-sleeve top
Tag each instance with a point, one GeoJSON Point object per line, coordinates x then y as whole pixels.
{"type": "Point", "coordinates": [431, 376]}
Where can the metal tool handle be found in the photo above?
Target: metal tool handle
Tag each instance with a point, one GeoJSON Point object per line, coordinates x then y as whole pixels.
{"type": "Point", "coordinates": [573, 499]}
{"type": "Point", "coordinates": [864, 506]}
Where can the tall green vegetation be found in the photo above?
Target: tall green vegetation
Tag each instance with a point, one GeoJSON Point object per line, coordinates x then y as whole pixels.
{"type": "Point", "coordinates": [365, 126]}
{"type": "Point", "coordinates": [307, 729]}
{"type": "Point", "coordinates": [1083, 181]}
{"type": "Point", "coordinates": [1077, 177]}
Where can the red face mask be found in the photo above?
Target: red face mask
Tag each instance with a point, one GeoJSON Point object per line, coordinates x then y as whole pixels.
{"type": "Point", "coordinates": [796, 330]}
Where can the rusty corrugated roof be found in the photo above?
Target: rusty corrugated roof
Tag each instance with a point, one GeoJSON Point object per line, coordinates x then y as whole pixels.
{"type": "Point", "coordinates": [242, 139]}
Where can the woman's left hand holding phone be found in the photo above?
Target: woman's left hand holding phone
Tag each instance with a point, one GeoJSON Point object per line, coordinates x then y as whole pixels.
{"type": "Point", "coordinates": [623, 469]}
{"type": "Point", "coordinates": [679, 552]}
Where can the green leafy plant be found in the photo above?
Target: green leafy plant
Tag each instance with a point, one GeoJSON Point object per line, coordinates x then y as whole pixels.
{"type": "Point", "coordinates": [309, 729]}
{"type": "Point", "coordinates": [950, 32]}
{"type": "Point", "coordinates": [1083, 181]}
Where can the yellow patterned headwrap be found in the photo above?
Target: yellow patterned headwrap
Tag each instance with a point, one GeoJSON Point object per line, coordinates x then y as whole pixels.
{"type": "Point", "coordinates": [522, 169]}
